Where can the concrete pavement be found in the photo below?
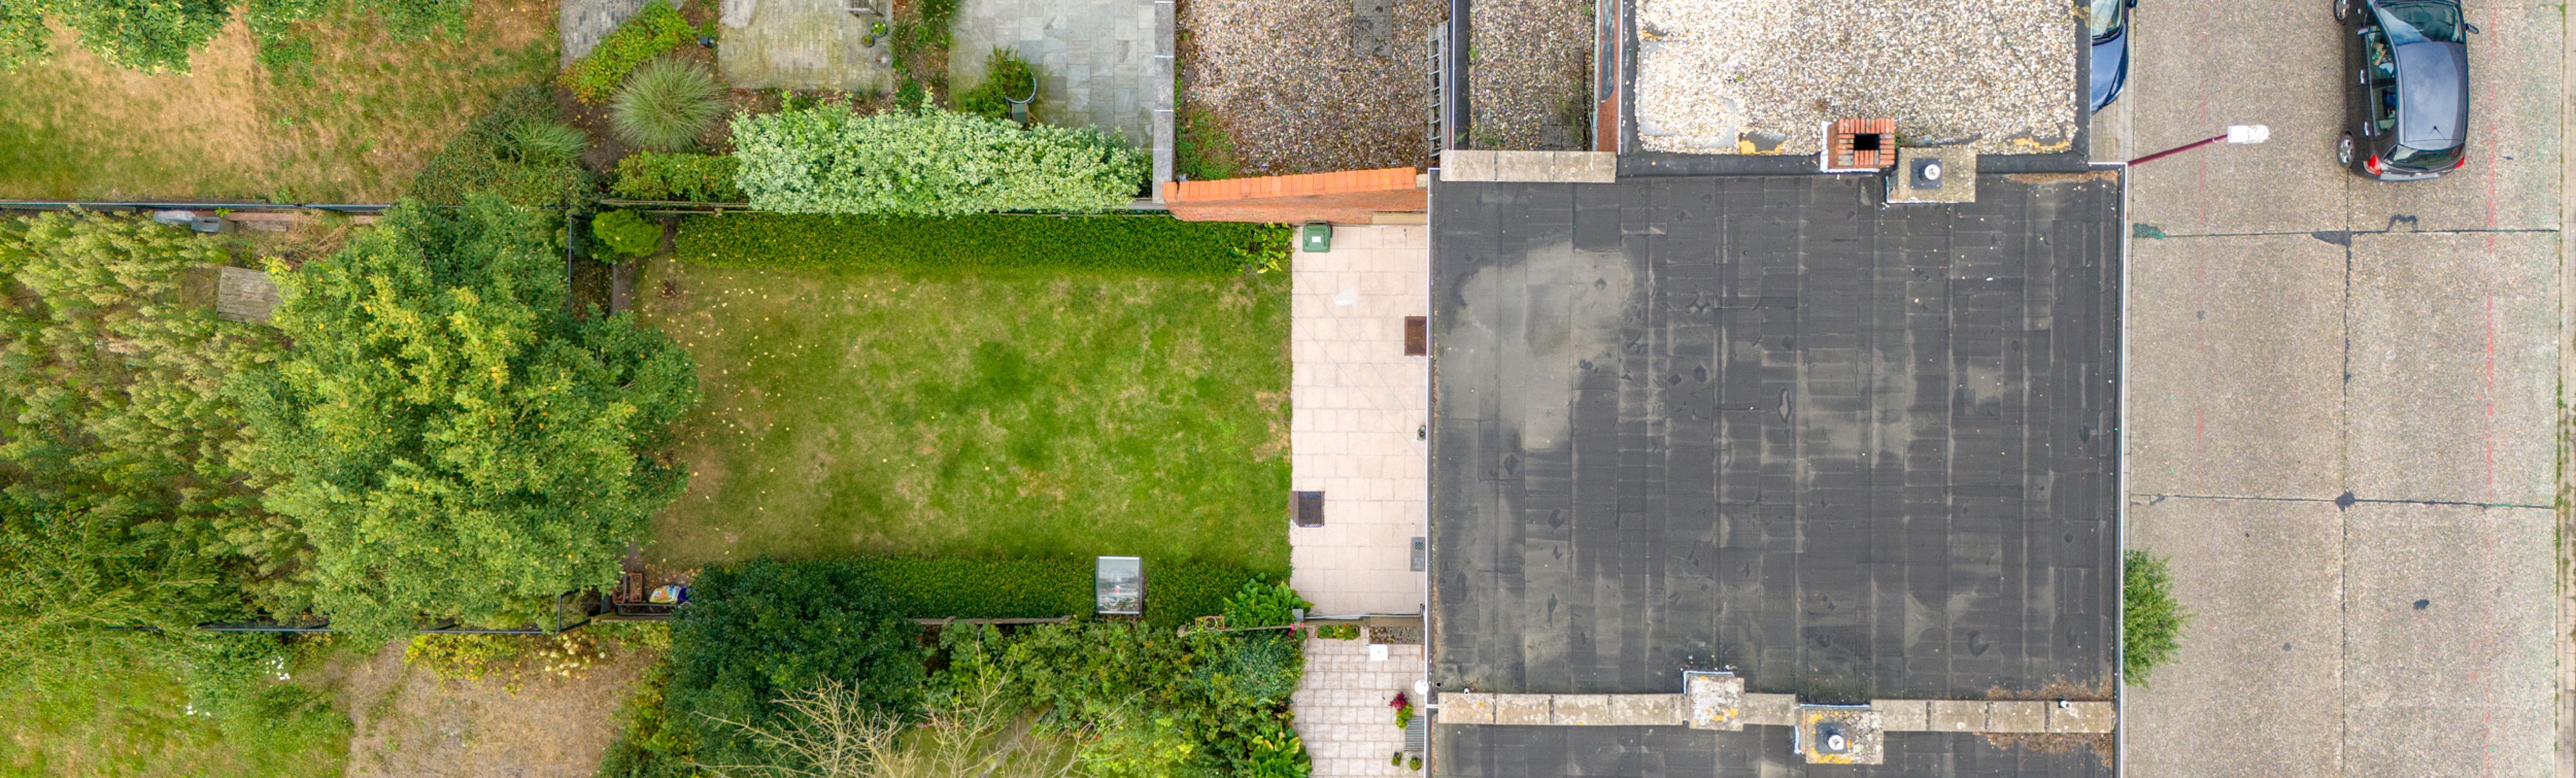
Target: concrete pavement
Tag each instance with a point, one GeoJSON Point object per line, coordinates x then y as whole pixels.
{"type": "Point", "coordinates": [2343, 406]}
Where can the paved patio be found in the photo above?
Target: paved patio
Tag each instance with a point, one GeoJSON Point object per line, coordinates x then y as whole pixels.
{"type": "Point", "coordinates": [800, 44]}
{"type": "Point", "coordinates": [1342, 710]}
{"type": "Point", "coordinates": [1101, 63]}
{"type": "Point", "coordinates": [1357, 405]}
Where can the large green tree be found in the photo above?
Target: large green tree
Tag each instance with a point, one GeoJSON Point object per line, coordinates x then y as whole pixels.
{"type": "Point", "coordinates": [142, 34]}
{"type": "Point", "coordinates": [454, 442]}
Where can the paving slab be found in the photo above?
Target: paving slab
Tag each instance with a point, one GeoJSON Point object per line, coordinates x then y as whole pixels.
{"type": "Point", "coordinates": [1466, 708]}
{"type": "Point", "coordinates": [1341, 707]}
{"type": "Point", "coordinates": [1642, 710]}
{"type": "Point", "coordinates": [2017, 716]}
{"type": "Point", "coordinates": [1100, 63]}
{"type": "Point", "coordinates": [2201, 65]}
{"type": "Point", "coordinates": [2512, 178]}
{"type": "Point", "coordinates": [2083, 717]}
{"type": "Point", "coordinates": [1956, 716]}
{"type": "Point", "coordinates": [1357, 404]}
{"type": "Point", "coordinates": [799, 44]}
{"type": "Point", "coordinates": [2455, 367]}
{"type": "Point", "coordinates": [2236, 360]}
{"type": "Point", "coordinates": [1777, 710]}
{"type": "Point", "coordinates": [2256, 679]}
{"type": "Point", "coordinates": [2450, 674]}
{"type": "Point", "coordinates": [1524, 709]}
{"type": "Point", "coordinates": [1904, 715]}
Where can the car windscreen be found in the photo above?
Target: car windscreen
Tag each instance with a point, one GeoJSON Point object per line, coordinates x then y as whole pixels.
{"type": "Point", "coordinates": [2419, 159]}
{"type": "Point", "coordinates": [2105, 17]}
{"type": "Point", "coordinates": [2411, 21]}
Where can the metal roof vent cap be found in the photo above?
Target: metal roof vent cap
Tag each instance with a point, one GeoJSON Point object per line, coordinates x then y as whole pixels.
{"type": "Point", "coordinates": [1927, 173]}
{"type": "Point", "coordinates": [1831, 738]}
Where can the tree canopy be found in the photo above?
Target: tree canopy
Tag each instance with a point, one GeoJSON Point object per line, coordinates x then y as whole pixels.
{"type": "Point", "coordinates": [453, 442]}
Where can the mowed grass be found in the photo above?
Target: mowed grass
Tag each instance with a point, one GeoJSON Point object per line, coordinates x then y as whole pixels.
{"type": "Point", "coordinates": [1059, 415]}
{"type": "Point", "coordinates": [354, 127]}
{"type": "Point", "coordinates": [132, 721]}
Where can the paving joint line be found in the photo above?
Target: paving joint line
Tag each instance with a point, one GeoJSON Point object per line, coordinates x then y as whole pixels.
{"type": "Point", "coordinates": [2345, 500]}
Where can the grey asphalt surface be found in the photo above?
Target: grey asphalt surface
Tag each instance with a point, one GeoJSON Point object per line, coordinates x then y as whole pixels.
{"type": "Point", "coordinates": [2343, 402]}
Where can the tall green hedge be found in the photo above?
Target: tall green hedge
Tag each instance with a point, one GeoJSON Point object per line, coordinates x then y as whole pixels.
{"type": "Point", "coordinates": [1149, 245]}
{"type": "Point", "coordinates": [928, 162]}
{"type": "Point", "coordinates": [921, 588]}
{"type": "Point", "coordinates": [654, 29]}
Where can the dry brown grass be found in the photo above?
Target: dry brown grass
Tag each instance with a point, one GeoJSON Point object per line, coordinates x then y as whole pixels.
{"type": "Point", "coordinates": [373, 109]}
{"type": "Point", "coordinates": [410, 722]}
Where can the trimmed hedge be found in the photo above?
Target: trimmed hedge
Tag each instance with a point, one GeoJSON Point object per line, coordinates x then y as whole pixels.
{"type": "Point", "coordinates": [924, 588]}
{"type": "Point", "coordinates": [697, 178]}
{"type": "Point", "coordinates": [654, 29]}
{"type": "Point", "coordinates": [1146, 245]}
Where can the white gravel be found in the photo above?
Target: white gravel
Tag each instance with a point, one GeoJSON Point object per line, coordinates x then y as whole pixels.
{"type": "Point", "coordinates": [1715, 75]}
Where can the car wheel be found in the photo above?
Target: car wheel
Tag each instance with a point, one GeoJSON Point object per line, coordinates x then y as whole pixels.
{"type": "Point", "coordinates": [2343, 9]}
{"type": "Point", "coordinates": [2343, 151]}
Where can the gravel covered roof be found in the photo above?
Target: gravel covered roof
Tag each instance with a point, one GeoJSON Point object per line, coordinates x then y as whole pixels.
{"type": "Point", "coordinates": [1747, 76]}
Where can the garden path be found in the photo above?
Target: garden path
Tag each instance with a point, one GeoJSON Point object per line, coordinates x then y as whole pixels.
{"type": "Point", "coordinates": [1357, 403]}
{"type": "Point", "coordinates": [802, 44]}
{"type": "Point", "coordinates": [1342, 711]}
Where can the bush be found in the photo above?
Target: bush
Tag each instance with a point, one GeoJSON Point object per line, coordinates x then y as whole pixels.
{"type": "Point", "coordinates": [666, 104]}
{"type": "Point", "coordinates": [829, 159]}
{"type": "Point", "coordinates": [486, 157]}
{"type": "Point", "coordinates": [1006, 77]}
{"type": "Point", "coordinates": [152, 37]}
{"type": "Point", "coordinates": [1142, 245]}
{"type": "Point", "coordinates": [981, 588]}
{"type": "Point", "coordinates": [696, 178]}
{"type": "Point", "coordinates": [627, 233]}
{"type": "Point", "coordinates": [1177, 592]}
{"type": "Point", "coordinates": [1263, 604]}
{"type": "Point", "coordinates": [654, 29]}
{"type": "Point", "coordinates": [2152, 621]}
{"type": "Point", "coordinates": [548, 142]}
{"type": "Point", "coordinates": [764, 630]}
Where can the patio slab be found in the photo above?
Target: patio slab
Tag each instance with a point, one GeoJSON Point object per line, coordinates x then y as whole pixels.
{"type": "Point", "coordinates": [1357, 405]}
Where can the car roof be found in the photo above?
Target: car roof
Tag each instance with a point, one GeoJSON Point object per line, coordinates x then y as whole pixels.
{"type": "Point", "coordinates": [2432, 94]}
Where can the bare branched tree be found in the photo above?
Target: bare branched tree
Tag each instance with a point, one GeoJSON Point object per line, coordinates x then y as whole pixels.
{"type": "Point", "coordinates": [829, 732]}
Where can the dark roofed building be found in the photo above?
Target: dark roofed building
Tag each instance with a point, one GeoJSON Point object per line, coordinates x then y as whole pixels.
{"type": "Point", "coordinates": [1852, 451]}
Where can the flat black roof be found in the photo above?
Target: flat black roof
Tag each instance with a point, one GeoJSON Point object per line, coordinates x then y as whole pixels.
{"type": "Point", "coordinates": [1852, 451]}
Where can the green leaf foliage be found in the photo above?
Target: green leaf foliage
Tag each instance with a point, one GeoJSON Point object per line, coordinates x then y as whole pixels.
{"type": "Point", "coordinates": [112, 397]}
{"type": "Point", "coordinates": [1263, 604]}
{"type": "Point", "coordinates": [654, 29]}
{"type": "Point", "coordinates": [544, 142]}
{"type": "Point", "coordinates": [1007, 77]}
{"type": "Point", "coordinates": [1225, 693]}
{"type": "Point", "coordinates": [272, 23]}
{"type": "Point", "coordinates": [627, 233]}
{"type": "Point", "coordinates": [696, 178]}
{"type": "Point", "coordinates": [666, 104]}
{"type": "Point", "coordinates": [2152, 621]}
{"type": "Point", "coordinates": [454, 442]}
{"type": "Point", "coordinates": [763, 630]}
{"type": "Point", "coordinates": [1178, 592]}
{"type": "Point", "coordinates": [1125, 245]}
{"type": "Point", "coordinates": [489, 157]}
{"type": "Point", "coordinates": [930, 162]}
{"type": "Point", "coordinates": [148, 35]}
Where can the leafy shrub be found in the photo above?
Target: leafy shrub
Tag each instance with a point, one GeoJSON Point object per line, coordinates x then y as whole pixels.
{"type": "Point", "coordinates": [628, 233]}
{"type": "Point", "coordinates": [485, 158]}
{"type": "Point", "coordinates": [764, 630]}
{"type": "Point", "coordinates": [1257, 670]}
{"type": "Point", "coordinates": [1006, 77]}
{"type": "Point", "coordinates": [463, 656]}
{"type": "Point", "coordinates": [1338, 632]}
{"type": "Point", "coordinates": [547, 142]}
{"type": "Point", "coordinates": [666, 104]}
{"type": "Point", "coordinates": [980, 588]}
{"type": "Point", "coordinates": [654, 29]}
{"type": "Point", "coordinates": [1263, 604]}
{"type": "Point", "coordinates": [1145, 245]}
{"type": "Point", "coordinates": [148, 36]}
{"type": "Point", "coordinates": [2152, 620]}
{"type": "Point", "coordinates": [697, 178]}
{"type": "Point", "coordinates": [829, 159]}
{"type": "Point", "coordinates": [1177, 592]}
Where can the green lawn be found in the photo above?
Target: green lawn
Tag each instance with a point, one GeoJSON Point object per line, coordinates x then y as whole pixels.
{"type": "Point", "coordinates": [133, 722]}
{"type": "Point", "coordinates": [353, 126]}
{"type": "Point", "coordinates": [1050, 415]}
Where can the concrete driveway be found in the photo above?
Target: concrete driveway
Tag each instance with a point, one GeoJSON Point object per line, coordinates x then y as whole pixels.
{"type": "Point", "coordinates": [2343, 401]}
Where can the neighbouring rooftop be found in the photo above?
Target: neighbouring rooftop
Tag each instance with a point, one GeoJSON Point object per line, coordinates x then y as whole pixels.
{"type": "Point", "coordinates": [1762, 76]}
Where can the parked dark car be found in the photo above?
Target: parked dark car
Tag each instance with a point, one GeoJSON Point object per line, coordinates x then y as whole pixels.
{"type": "Point", "coordinates": [2406, 117]}
{"type": "Point", "coordinates": [2110, 25]}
